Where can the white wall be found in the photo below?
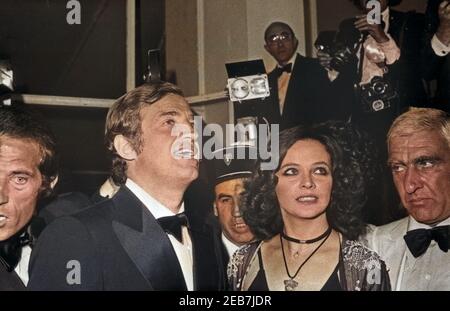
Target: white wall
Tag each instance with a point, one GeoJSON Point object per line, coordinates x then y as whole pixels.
{"type": "Point", "coordinates": [260, 13]}
{"type": "Point", "coordinates": [203, 35]}
{"type": "Point", "coordinates": [225, 39]}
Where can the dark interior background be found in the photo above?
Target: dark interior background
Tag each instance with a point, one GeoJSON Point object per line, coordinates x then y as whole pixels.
{"type": "Point", "coordinates": [51, 57]}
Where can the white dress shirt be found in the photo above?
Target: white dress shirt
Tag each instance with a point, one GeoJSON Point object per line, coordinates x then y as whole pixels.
{"type": "Point", "coordinates": [430, 271]}
{"type": "Point", "coordinates": [230, 246]}
{"type": "Point", "coordinates": [182, 250]}
{"type": "Point", "coordinates": [22, 267]}
{"type": "Point", "coordinates": [439, 47]}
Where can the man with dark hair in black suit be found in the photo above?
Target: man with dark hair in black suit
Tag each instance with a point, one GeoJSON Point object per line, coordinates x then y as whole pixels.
{"type": "Point", "coordinates": [297, 84]}
{"type": "Point", "coordinates": [148, 236]}
{"type": "Point", "coordinates": [437, 48]}
{"type": "Point", "coordinates": [28, 173]}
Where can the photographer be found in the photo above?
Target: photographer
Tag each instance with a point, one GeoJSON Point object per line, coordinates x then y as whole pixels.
{"type": "Point", "coordinates": [382, 77]}
{"type": "Point", "coordinates": [375, 69]}
{"type": "Point", "coordinates": [437, 48]}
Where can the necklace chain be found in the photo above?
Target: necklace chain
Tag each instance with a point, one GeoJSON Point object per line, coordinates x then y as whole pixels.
{"type": "Point", "coordinates": [326, 235]}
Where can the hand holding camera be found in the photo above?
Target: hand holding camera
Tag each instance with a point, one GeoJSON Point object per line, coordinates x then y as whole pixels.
{"type": "Point", "coordinates": [324, 59]}
{"type": "Point", "coordinates": [333, 52]}
{"type": "Point", "coordinates": [375, 30]}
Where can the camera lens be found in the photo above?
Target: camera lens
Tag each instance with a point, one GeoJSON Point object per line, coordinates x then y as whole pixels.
{"type": "Point", "coordinates": [379, 88]}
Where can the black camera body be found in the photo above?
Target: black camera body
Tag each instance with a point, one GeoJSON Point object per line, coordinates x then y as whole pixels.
{"type": "Point", "coordinates": [377, 95]}
{"type": "Point", "coordinates": [342, 53]}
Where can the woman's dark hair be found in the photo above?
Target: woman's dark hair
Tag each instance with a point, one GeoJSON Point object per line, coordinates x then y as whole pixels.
{"type": "Point", "coordinates": [352, 171]}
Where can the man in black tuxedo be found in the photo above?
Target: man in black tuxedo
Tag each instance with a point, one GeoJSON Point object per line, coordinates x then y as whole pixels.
{"type": "Point", "coordinates": [298, 84]}
{"type": "Point", "coordinates": [147, 236]}
{"type": "Point", "coordinates": [28, 172]}
{"type": "Point", "coordinates": [437, 48]}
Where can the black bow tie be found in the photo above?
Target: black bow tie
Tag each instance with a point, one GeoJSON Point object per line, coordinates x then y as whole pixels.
{"type": "Point", "coordinates": [419, 240]}
{"type": "Point", "coordinates": [173, 224]}
{"type": "Point", "coordinates": [286, 68]}
{"type": "Point", "coordinates": [11, 249]}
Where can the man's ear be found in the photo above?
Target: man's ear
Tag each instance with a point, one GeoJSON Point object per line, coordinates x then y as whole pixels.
{"type": "Point", "coordinates": [266, 47]}
{"type": "Point", "coordinates": [124, 148]}
{"type": "Point", "coordinates": [216, 213]}
{"type": "Point", "coordinates": [296, 44]}
{"type": "Point", "coordinates": [54, 182]}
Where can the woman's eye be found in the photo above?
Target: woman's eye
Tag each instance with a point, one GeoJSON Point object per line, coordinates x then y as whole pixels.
{"type": "Point", "coordinates": [290, 172]}
{"type": "Point", "coordinates": [321, 171]}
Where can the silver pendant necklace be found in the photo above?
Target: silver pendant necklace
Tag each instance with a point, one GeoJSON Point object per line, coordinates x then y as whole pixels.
{"type": "Point", "coordinates": [291, 284]}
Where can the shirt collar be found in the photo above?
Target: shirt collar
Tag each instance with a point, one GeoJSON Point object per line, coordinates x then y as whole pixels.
{"type": "Point", "coordinates": [230, 246]}
{"type": "Point", "coordinates": [157, 209]}
{"type": "Point", "coordinates": [22, 267]}
{"type": "Point", "coordinates": [414, 224]}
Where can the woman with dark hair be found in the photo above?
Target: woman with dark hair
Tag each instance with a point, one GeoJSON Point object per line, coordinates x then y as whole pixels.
{"type": "Point", "coordinates": [306, 215]}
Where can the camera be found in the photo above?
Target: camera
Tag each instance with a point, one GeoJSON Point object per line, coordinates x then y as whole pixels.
{"type": "Point", "coordinates": [247, 81]}
{"type": "Point", "coordinates": [377, 95]}
{"type": "Point", "coordinates": [341, 52]}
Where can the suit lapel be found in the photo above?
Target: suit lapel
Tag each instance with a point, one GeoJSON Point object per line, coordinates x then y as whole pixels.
{"type": "Point", "coordinates": [275, 103]}
{"type": "Point", "coordinates": [146, 243]}
{"type": "Point", "coordinates": [207, 263]}
{"type": "Point", "coordinates": [394, 247]}
{"type": "Point", "coordinates": [292, 93]}
{"type": "Point", "coordinates": [208, 266]}
{"type": "Point", "coordinates": [10, 281]}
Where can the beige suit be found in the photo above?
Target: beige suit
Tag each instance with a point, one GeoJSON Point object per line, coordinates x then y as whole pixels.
{"type": "Point", "coordinates": [430, 271]}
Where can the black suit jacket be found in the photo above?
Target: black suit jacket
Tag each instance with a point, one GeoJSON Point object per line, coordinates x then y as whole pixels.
{"type": "Point", "coordinates": [441, 67]}
{"type": "Point", "coordinates": [306, 100]}
{"type": "Point", "coordinates": [407, 31]}
{"type": "Point", "coordinates": [10, 281]}
{"type": "Point", "coordinates": [436, 67]}
{"type": "Point", "coordinates": [66, 203]}
{"type": "Point", "coordinates": [120, 246]}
